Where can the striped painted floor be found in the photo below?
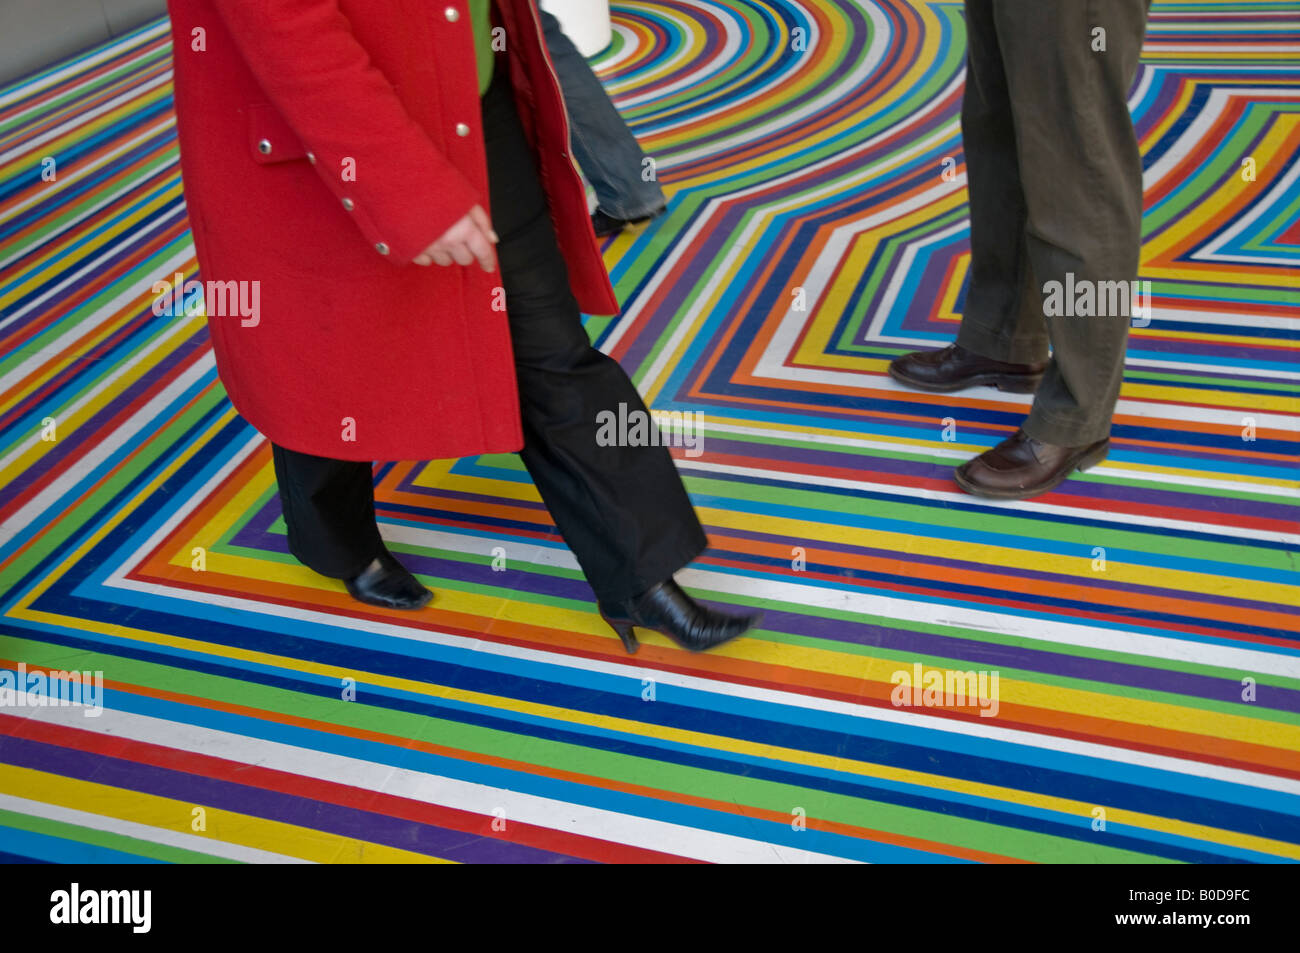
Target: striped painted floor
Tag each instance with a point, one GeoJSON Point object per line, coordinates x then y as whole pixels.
{"type": "Point", "coordinates": [1140, 622]}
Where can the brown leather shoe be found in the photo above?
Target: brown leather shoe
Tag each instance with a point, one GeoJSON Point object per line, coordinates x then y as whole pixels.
{"type": "Point", "coordinates": [1020, 467]}
{"type": "Point", "coordinates": [954, 368]}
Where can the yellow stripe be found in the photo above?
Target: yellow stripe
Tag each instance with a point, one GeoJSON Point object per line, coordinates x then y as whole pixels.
{"type": "Point", "coordinates": [1212, 208]}
{"type": "Point", "coordinates": [144, 491]}
{"type": "Point", "coordinates": [53, 263]}
{"type": "Point", "coordinates": [1011, 691]}
{"type": "Point", "coordinates": [228, 827]}
{"type": "Point", "coordinates": [1048, 697]}
{"type": "Point", "coordinates": [750, 749]}
{"type": "Point", "coordinates": [986, 555]}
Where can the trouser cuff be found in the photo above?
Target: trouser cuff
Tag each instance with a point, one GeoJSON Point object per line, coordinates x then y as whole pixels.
{"type": "Point", "coordinates": [1064, 431]}
{"type": "Point", "coordinates": [612, 592]}
{"type": "Point", "coordinates": [997, 346]}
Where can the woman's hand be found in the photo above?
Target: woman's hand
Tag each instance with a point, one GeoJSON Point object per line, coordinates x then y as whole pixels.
{"type": "Point", "coordinates": [469, 239]}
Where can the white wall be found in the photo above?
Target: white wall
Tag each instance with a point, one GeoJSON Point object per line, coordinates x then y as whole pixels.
{"type": "Point", "coordinates": [585, 22]}
{"type": "Point", "coordinates": [38, 33]}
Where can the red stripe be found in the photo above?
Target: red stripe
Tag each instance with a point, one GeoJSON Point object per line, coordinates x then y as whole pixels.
{"type": "Point", "coordinates": [329, 792]}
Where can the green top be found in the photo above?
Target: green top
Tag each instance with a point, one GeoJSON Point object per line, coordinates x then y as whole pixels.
{"type": "Point", "coordinates": [480, 16]}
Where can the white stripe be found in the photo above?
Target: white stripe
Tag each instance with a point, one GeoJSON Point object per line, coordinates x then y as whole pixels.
{"type": "Point", "coordinates": [229, 464]}
{"type": "Point", "coordinates": [94, 323]}
{"type": "Point", "coordinates": [851, 81]}
{"type": "Point", "coordinates": [916, 718]}
{"type": "Point", "coordinates": [479, 799]}
{"type": "Point", "coordinates": [765, 590]}
{"type": "Point", "coordinates": [773, 367]}
{"type": "Point", "coordinates": [80, 172]}
{"type": "Point", "coordinates": [775, 433]}
{"type": "Point", "coordinates": [81, 118]}
{"type": "Point", "coordinates": [1241, 19]}
{"type": "Point", "coordinates": [1218, 49]}
{"type": "Point", "coordinates": [744, 240]}
{"type": "Point", "coordinates": [1192, 136]}
{"type": "Point", "coordinates": [80, 65]}
{"type": "Point", "coordinates": [686, 56]}
{"type": "Point", "coordinates": [1280, 191]}
{"type": "Point", "coordinates": [903, 271]}
{"type": "Point", "coordinates": [1014, 507]}
{"type": "Point", "coordinates": [144, 832]}
{"type": "Point", "coordinates": [761, 589]}
{"type": "Point", "coordinates": [1213, 366]}
{"type": "Point", "coordinates": [626, 52]}
{"type": "Point", "coordinates": [1231, 320]}
{"type": "Point", "coordinates": [109, 444]}
{"type": "Point", "coordinates": [124, 299]}
{"type": "Point", "coordinates": [161, 343]}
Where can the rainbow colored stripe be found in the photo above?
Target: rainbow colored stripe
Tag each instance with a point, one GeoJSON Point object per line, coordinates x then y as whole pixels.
{"type": "Point", "coordinates": [1142, 619]}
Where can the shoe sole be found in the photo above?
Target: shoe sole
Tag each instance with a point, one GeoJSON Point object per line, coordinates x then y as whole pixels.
{"type": "Point", "coordinates": [386, 605]}
{"type": "Point", "coordinates": [631, 228]}
{"type": "Point", "coordinates": [626, 631]}
{"type": "Point", "coordinates": [1085, 462]}
{"type": "Point", "coordinates": [1010, 383]}
{"type": "Point", "coordinates": [634, 226]}
{"type": "Point", "coordinates": [754, 624]}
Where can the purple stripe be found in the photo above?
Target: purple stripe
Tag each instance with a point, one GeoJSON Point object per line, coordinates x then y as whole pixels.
{"type": "Point", "coordinates": [1229, 353]}
{"type": "Point", "coordinates": [905, 640]}
{"type": "Point", "coordinates": [1147, 496]}
{"type": "Point", "coordinates": [1012, 573]}
{"type": "Point", "coordinates": [300, 811]}
{"type": "Point", "coordinates": [91, 432]}
{"type": "Point", "coordinates": [943, 471]}
{"type": "Point", "coordinates": [974, 652]}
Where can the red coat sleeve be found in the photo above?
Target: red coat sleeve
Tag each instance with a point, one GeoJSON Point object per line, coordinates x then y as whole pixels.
{"type": "Point", "coordinates": [313, 70]}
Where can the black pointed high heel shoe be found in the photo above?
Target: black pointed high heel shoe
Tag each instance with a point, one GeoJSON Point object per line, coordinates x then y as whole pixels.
{"type": "Point", "coordinates": [386, 582]}
{"type": "Point", "coordinates": [667, 609]}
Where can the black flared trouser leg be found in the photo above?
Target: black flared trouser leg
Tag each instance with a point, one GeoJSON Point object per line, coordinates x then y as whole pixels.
{"type": "Point", "coordinates": [622, 510]}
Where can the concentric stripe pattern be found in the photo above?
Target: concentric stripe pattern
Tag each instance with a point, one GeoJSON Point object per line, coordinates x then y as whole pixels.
{"type": "Point", "coordinates": [1130, 639]}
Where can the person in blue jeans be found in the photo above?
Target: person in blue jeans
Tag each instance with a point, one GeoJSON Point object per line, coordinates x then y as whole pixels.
{"type": "Point", "coordinates": [627, 193]}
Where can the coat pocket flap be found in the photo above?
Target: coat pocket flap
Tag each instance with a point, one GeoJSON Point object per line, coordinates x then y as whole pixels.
{"type": "Point", "coordinates": [269, 137]}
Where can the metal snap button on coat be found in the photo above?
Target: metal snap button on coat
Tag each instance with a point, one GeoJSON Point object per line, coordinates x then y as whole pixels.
{"type": "Point", "coordinates": [452, 14]}
{"type": "Point", "coordinates": [264, 147]}
{"type": "Point", "coordinates": [347, 204]}
{"type": "Point", "coordinates": [381, 248]}
{"type": "Point", "coordinates": [462, 129]}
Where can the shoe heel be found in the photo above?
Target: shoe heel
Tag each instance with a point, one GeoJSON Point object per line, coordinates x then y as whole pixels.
{"type": "Point", "coordinates": [1018, 385]}
{"type": "Point", "coordinates": [624, 630]}
{"type": "Point", "coordinates": [1094, 458]}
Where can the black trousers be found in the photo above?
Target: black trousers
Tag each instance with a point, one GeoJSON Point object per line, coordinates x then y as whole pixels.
{"type": "Point", "coordinates": [1055, 182]}
{"type": "Point", "coordinates": [622, 510]}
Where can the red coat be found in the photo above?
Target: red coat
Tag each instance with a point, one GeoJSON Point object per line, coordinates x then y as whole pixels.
{"type": "Point", "coordinates": [356, 353]}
